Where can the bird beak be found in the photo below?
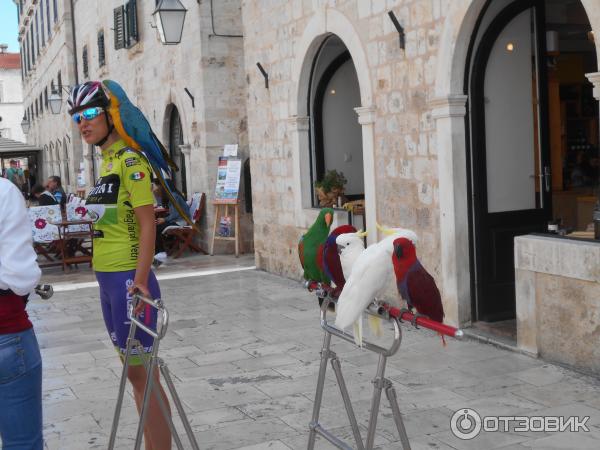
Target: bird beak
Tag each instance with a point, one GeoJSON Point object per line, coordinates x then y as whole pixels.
{"type": "Point", "coordinates": [340, 249]}
{"type": "Point", "coordinates": [398, 251]}
{"type": "Point", "coordinates": [328, 219]}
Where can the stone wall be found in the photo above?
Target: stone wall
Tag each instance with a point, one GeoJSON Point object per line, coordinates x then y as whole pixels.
{"type": "Point", "coordinates": [558, 314]}
{"type": "Point", "coordinates": [155, 77]}
{"type": "Point", "coordinates": [11, 104]}
{"type": "Point", "coordinates": [55, 134]}
{"type": "Point", "coordinates": [401, 82]}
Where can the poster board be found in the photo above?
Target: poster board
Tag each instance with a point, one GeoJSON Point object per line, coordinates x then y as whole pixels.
{"type": "Point", "coordinates": [228, 179]}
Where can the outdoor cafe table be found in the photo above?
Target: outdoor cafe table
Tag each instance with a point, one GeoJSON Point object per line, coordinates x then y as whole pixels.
{"type": "Point", "coordinates": [71, 241]}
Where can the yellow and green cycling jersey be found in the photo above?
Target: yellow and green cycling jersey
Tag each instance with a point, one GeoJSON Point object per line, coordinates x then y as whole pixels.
{"type": "Point", "coordinates": [124, 184]}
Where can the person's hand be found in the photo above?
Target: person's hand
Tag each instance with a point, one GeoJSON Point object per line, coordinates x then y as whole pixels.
{"type": "Point", "coordinates": [160, 221]}
{"type": "Point", "coordinates": [139, 288]}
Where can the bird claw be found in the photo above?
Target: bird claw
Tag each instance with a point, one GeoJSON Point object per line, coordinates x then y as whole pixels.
{"type": "Point", "coordinates": [402, 311]}
{"type": "Point", "coordinates": [415, 317]}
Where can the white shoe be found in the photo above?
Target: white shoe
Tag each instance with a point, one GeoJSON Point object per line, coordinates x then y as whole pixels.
{"type": "Point", "coordinates": [162, 256]}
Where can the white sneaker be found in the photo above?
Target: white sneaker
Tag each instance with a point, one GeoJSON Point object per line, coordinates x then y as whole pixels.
{"type": "Point", "coordinates": [162, 256]}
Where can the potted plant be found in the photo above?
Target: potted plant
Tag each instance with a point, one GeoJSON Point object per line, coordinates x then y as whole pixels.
{"type": "Point", "coordinates": [330, 187]}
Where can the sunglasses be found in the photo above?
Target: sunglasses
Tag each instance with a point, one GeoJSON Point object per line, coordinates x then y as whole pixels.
{"type": "Point", "coordinates": [87, 114]}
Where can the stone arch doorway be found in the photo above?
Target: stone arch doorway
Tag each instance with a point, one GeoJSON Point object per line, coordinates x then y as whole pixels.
{"type": "Point", "coordinates": [530, 103]}
{"type": "Point", "coordinates": [336, 135]}
{"type": "Point", "coordinates": [466, 22]}
{"type": "Point", "coordinates": [322, 25]}
{"type": "Point", "coordinates": [175, 142]}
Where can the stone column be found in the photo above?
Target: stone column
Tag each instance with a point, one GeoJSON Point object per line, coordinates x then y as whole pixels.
{"type": "Point", "coordinates": [449, 115]}
{"type": "Point", "coordinates": [299, 129]}
{"type": "Point", "coordinates": [366, 118]}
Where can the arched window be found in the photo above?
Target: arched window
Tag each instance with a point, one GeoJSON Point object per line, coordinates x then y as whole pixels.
{"type": "Point", "coordinates": [175, 140]}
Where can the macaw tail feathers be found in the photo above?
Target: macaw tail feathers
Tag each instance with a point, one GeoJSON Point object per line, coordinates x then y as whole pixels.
{"type": "Point", "coordinates": [171, 196]}
{"type": "Point", "coordinates": [165, 153]}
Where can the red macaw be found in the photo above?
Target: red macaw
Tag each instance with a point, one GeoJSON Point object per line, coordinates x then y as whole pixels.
{"type": "Point", "coordinates": [415, 284]}
{"type": "Point", "coordinates": [331, 258]}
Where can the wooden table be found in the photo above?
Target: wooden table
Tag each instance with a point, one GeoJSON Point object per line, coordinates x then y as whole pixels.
{"type": "Point", "coordinates": [71, 241]}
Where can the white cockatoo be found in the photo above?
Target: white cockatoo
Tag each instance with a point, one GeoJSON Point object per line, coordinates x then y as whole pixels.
{"type": "Point", "coordinates": [371, 273]}
{"type": "Point", "coordinates": [350, 246]}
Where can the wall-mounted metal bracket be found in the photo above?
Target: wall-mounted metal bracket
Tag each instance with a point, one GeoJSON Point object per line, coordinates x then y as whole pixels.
{"type": "Point", "coordinates": [399, 28]}
{"type": "Point", "coordinates": [265, 74]}
{"type": "Point", "coordinates": [190, 96]}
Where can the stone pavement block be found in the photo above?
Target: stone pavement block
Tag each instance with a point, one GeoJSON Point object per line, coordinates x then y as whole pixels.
{"type": "Point", "coordinates": [68, 408]}
{"type": "Point", "coordinates": [491, 386]}
{"type": "Point", "coordinates": [541, 376]}
{"type": "Point", "coordinates": [506, 364]}
{"type": "Point", "coordinates": [300, 441]}
{"type": "Point", "coordinates": [57, 395]}
{"type": "Point", "coordinates": [487, 441]}
{"type": "Point", "coordinates": [507, 404]}
{"type": "Point", "coordinates": [556, 394]}
{"type": "Point", "coordinates": [72, 349]}
{"type": "Point", "coordinates": [579, 441]}
{"type": "Point", "coordinates": [70, 425]}
{"type": "Point", "coordinates": [272, 360]}
{"type": "Point", "coordinates": [262, 349]}
{"type": "Point", "coordinates": [242, 377]}
{"type": "Point", "coordinates": [271, 445]}
{"type": "Point", "coordinates": [217, 417]}
{"type": "Point", "coordinates": [287, 386]}
{"type": "Point", "coordinates": [244, 434]}
{"type": "Point", "coordinates": [84, 440]}
{"type": "Point", "coordinates": [277, 407]}
{"type": "Point", "coordinates": [192, 374]}
{"type": "Point", "coordinates": [226, 356]}
{"type": "Point", "coordinates": [200, 399]}
{"type": "Point", "coordinates": [572, 410]}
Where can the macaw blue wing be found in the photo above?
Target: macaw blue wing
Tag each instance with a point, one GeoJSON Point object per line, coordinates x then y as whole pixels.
{"type": "Point", "coordinates": [131, 121]}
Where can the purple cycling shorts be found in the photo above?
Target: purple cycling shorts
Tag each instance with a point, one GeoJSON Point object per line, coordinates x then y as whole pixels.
{"type": "Point", "coordinates": [116, 300]}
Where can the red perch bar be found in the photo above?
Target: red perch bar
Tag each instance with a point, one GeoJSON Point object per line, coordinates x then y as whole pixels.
{"type": "Point", "coordinates": [392, 311]}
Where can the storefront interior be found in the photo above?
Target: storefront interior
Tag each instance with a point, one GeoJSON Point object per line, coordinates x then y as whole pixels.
{"type": "Point", "coordinates": [534, 140]}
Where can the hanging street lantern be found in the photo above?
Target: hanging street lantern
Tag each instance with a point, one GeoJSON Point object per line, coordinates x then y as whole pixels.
{"type": "Point", "coordinates": [169, 17]}
{"type": "Point", "coordinates": [55, 102]}
{"type": "Point", "coordinates": [25, 125]}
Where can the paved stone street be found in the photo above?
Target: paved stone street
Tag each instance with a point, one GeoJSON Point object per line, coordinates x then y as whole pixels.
{"type": "Point", "coordinates": [244, 350]}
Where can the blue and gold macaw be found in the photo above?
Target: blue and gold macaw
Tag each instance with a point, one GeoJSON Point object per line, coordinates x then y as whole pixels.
{"type": "Point", "coordinates": [132, 126]}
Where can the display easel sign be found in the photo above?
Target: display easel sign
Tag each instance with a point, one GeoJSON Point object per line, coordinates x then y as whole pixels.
{"type": "Point", "coordinates": [228, 180]}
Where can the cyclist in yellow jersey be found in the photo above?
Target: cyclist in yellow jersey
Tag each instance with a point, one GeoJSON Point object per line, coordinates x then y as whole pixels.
{"type": "Point", "coordinates": [121, 205]}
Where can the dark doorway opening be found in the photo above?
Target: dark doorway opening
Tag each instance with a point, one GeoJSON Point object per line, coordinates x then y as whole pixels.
{"type": "Point", "coordinates": [336, 135]}
{"type": "Point", "coordinates": [175, 141]}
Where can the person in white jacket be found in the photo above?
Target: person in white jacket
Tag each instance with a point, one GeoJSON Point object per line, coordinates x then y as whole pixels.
{"type": "Point", "coordinates": [20, 360]}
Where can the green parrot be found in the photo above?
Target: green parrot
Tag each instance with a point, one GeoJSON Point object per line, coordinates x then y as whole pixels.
{"type": "Point", "coordinates": [310, 247]}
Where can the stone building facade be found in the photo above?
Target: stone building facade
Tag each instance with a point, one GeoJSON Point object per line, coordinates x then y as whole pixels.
{"type": "Point", "coordinates": [413, 113]}
{"type": "Point", "coordinates": [193, 93]}
{"type": "Point", "coordinates": [11, 96]}
{"type": "Point", "coordinates": [48, 64]}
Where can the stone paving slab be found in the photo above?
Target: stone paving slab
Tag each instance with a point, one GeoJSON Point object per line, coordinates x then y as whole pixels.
{"type": "Point", "coordinates": [243, 348]}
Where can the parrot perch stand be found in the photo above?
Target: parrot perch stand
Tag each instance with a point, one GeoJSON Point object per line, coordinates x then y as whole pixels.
{"type": "Point", "coordinates": [151, 365]}
{"type": "Point", "coordinates": [385, 312]}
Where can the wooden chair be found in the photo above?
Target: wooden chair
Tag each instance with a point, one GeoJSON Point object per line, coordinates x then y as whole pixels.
{"type": "Point", "coordinates": [184, 235]}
